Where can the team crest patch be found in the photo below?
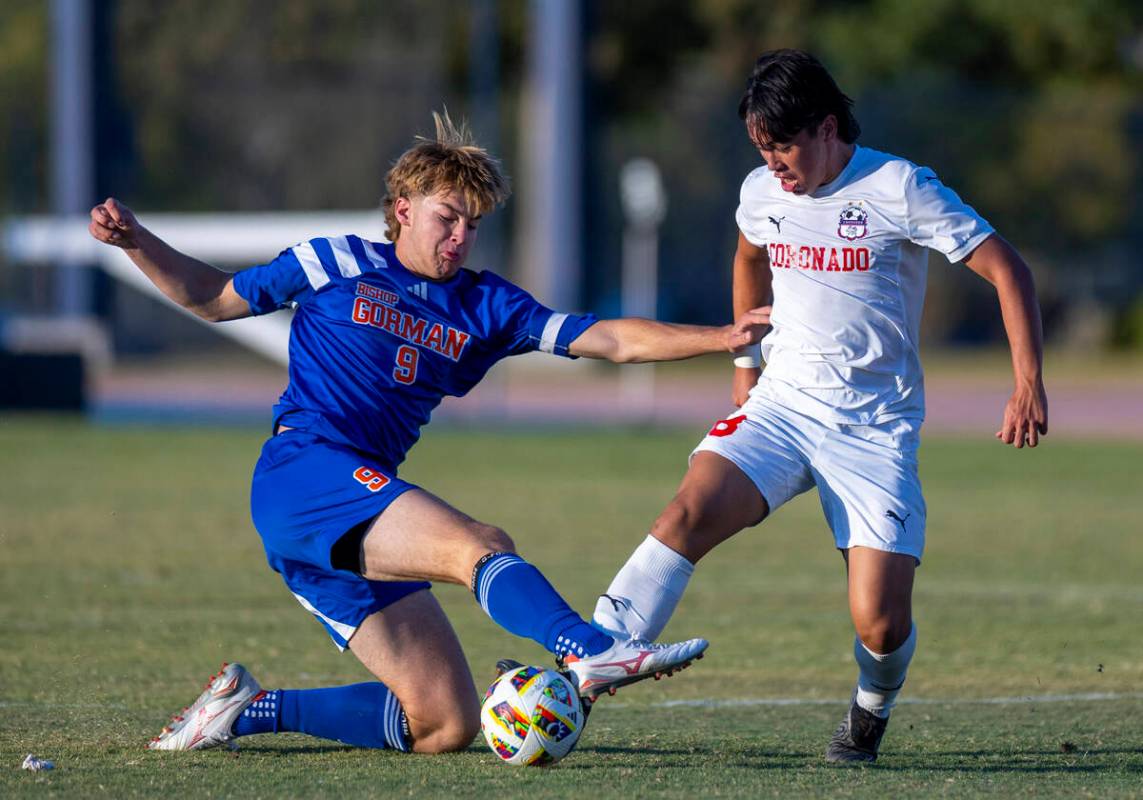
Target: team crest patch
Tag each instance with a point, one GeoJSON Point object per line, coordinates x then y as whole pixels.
{"type": "Point", "coordinates": [854, 222]}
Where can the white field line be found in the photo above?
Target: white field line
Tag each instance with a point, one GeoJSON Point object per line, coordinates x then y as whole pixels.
{"type": "Point", "coordinates": [746, 702]}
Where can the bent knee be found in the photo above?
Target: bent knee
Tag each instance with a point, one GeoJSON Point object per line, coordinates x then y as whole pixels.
{"type": "Point", "coordinates": [685, 528]}
{"type": "Point", "coordinates": [677, 522]}
{"type": "Point", "coordinates": [484, 539]}
{"type": "Point", "coordinates": [884, 633]}
{"type": "Point", "coordinates": [447, 736]}
{"type": "Point", "coordinates": [496, 539]}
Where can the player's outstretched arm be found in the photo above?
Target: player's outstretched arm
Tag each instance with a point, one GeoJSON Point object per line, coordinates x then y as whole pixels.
{"type": "Point", "coordinates": [632, 340]}
{"type": "Point", "coordinates": [1026, 413]}
{"type": "Point", "coordinates": [195, 285]}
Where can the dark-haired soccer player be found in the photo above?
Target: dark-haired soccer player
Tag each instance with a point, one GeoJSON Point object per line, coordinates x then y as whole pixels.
{"type": "Point", "coordinates": [837, 233]}
{"type": "Point", "coordinates": [382, 333]}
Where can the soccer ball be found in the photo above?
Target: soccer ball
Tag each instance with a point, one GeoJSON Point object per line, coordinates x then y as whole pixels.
{"type": "Point", "coordinates": [531, 716]}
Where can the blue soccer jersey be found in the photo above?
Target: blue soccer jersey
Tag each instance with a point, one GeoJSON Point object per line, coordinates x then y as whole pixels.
{"type": "Point", "coordinates": [374, 347]}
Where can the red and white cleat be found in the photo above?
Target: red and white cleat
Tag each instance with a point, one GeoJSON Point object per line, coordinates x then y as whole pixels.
{"type": "Point", "coordinates": [627, 662]}
{"type": "Point", "coordinates": [207, 722]}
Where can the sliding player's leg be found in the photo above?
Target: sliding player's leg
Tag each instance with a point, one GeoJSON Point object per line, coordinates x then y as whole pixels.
{"type": "Point", "coordinates": [419, 536]}
{"type": "Point", "coordinates": [412, 649]}
{"type": "Point", "coordinates": [880, 602]}
{"type": "Point", "coordinates": [424, 699]}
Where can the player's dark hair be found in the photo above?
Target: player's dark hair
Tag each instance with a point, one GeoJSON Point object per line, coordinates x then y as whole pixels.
{"type": "Point", "coordinates": [451, 160]}
{"type": "Point", "coordinates": [790, 91]}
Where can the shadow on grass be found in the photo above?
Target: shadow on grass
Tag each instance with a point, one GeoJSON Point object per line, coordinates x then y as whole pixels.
{"type": "Point", "coordinates": [300, 749]}
{"type": "Point", "coordinates": [1025, 761]}
{"type": "Point", "coordinates": [979, 762]}
{"type": "Point", "coordinates": [1095, 760]}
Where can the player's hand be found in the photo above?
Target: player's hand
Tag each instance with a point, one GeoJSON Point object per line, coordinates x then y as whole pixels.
{"type": "Point", "coordinates": [748, 329]}
{"type": "Point", "coordinates": [1025, 416]}
{"type": "Point", "coordinates": [744, 380]}
{"type": "Point", "coordinates": [115, 224]}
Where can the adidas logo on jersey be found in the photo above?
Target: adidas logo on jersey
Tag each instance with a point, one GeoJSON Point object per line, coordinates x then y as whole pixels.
{"type": "Point", "coordinates": [420, 290]}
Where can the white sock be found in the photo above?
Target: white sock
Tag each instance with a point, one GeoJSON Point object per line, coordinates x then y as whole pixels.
{"type": "Point", "coordinates": [881, 676]}
{"type": "Point", "coordinates": [644, 593]}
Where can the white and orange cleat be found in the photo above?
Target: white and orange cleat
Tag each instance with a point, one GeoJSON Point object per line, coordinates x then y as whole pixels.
{"type": "Point", "coordinates": [627, 662]}
{"type": "Point", "coordinates": [208, 721]}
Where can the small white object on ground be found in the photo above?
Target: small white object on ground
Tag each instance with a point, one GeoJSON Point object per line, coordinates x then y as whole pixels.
{"type": "Point", "coordinates": [36, 764]}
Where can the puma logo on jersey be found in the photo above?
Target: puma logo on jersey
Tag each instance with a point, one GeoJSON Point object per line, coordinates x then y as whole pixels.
{"type": "Point", "coordinates": [777, 223]}
{"type": "Point", "coordinates": [420, 290]}
{"type": "Point", "coordinates": [893, 515]}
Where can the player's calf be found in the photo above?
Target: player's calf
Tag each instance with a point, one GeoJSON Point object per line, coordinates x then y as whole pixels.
{"type": "Point", "coordinates": [454, 733]}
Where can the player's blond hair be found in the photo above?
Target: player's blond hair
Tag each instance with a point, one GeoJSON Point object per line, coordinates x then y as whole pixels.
{"type": "Point", "coordinates": [453, 161]}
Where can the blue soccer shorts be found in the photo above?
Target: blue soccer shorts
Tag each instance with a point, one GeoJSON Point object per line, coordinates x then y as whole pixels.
{"type": "Point", "coordinates": [307, 494]}
{"type": "Point", "coordinates": [866, 475]}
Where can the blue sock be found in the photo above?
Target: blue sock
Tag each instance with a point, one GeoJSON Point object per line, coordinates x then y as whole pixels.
{"type": "Point", "coordinates": [261, 716]}
{"type": "Point", "coordinates": [520, 600]}
{"type": "Point", "coordinates": [363, 715]}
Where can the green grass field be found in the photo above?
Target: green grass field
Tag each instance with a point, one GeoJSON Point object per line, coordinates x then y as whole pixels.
{"type": "Point", "coordinates": [130, 570]}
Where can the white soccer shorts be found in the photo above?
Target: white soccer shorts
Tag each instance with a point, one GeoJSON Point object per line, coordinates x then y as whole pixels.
{"type": "Point", "coordinates": [866, 475]}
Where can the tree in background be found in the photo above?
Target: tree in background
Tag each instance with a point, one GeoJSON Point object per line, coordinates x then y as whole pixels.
{"type": "Point", "coordinates": [1031, 109]}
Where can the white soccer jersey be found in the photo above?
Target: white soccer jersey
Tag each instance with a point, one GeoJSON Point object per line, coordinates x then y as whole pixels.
{"type": "Point", "coordinates": [849, 267]}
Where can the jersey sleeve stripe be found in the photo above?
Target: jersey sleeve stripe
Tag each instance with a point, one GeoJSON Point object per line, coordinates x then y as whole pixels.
{"type": "Point", "coordinates": [372, 254]}
{"type": "Point", "coordinates": [311, 265]}
{"type": "Point", "coordinates": [346, 262]}
{"type": "Point", "coordinates": [551, 332]}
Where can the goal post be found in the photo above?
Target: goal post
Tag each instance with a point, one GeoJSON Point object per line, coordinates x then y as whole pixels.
{"type": "Point", "coordinates": [226, 240]}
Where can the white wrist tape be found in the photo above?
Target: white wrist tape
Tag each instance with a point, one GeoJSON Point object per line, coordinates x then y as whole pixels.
{"type": "Point", "coordinates": [750, 358]}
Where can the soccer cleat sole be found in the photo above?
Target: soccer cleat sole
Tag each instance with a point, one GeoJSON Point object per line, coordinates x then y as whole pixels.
{"type": "Point", "coordinates": [852, 758]}
{"type": "Point", "coordinates": [591, 694]}
{"type": "Point", "coordinates": [506, 665]}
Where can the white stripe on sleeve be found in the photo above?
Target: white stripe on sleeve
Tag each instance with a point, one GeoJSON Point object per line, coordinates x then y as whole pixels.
{"type": "Point", "coordinates": [374, 256]}
{"type": "Point", "coordinates": [311, 264]}
{"type": "Point", "coordinates": [552, 332]}
{"type": "Point", "coordinates": [346, 262]}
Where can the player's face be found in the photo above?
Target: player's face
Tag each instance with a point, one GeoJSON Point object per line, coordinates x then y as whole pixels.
{"type": "Point", "coordinates": [437, 233]}
{"type": "Point", "coordinates": [804, 163]}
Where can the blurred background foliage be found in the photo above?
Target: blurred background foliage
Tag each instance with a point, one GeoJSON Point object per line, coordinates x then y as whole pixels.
{"type": "Point", "coordinates": [1033, 111]}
